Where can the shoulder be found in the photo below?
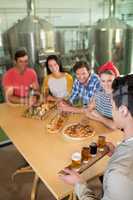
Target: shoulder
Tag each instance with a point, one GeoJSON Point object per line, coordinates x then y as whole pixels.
{"type": "Point", "coordinates": [30, 70]}
{"type": "Point", "coordinates": [122, 158]}
{"type": "Point", "coordinates": [95, 77]}
{"type": "Point", "coordinates": [10, 72]}
{"type": "Point", "coordinates": [76, 82]}
{"type": "Point", "coordinates": [68, 76]}
{"type": "Point", "coordinates": [48, 77]}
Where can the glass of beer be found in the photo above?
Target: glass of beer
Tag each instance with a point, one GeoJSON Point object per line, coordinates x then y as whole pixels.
{"type": "Point", "coordinates": [101, 142]}
{"type": "Point", "coordinates": [85, 154]}
{"type": "Point", "coordinates": [76, 160]}
{"type": "Point", "coordinates": [93, 149]}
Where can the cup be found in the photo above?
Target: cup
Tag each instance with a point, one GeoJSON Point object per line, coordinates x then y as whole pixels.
{"type": "Point", "coordinates": [76, 160]}
{"type": "Point", "coordinates": [101, 142]}
{"type": "Point", "coordinates": [93, 149]}
{"type": "Point", "coordinates": [85, 154]}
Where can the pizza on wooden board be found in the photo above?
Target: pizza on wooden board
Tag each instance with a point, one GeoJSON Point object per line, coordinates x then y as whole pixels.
{"type": "Point", "coordinates": [40, 111]}
{"type": "Point", "coordinates": [57, 123]}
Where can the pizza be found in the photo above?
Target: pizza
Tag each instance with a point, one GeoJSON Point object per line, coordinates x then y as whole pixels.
{"type": "Point", "coordinates": [40, 111]}
{"type": "Point", "coordinates": [78, 131]}
{"type": "Point", "coordinates": [57, 123]}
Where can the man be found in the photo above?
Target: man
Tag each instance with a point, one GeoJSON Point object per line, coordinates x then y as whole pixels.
{"type": "Point", "coordinates": [84, 87]}
{"type": "Point", "coordinates": [118, 178]}
{"type": "Point", "coordinates": [18, 80]}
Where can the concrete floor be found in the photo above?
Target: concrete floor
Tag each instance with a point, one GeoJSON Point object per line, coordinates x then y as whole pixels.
{"type": "Point", "coordinates": [10, 160]}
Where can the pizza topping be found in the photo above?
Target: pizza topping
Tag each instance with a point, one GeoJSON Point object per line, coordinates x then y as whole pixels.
{"type": "Point", "coordinates": [57, 122]}
{"type": "Point", "coordinates": [79, 131]}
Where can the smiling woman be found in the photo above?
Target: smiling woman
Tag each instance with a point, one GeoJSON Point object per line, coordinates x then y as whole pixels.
{"type": "Point", "coordinates": [100, 108]}
{"type": "Point", "coordinates": [57, 84]}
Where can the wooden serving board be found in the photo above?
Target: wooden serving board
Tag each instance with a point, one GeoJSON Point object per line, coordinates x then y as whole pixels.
{"type": "Point", "coordinates": [34, 113]}
{"type": "Point", "coordinates": [91, 161]}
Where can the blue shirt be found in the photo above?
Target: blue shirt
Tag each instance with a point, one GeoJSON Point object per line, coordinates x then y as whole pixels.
{"type": "Point", "coordinates": [103, 103]}
{"type": "Point", "coordinates": [85, 92]}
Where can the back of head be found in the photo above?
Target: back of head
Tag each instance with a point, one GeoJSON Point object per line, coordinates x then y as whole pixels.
{"type": "Point", "coordinates": [57, 60]}
{"type": "Point", "coordinates": [81, 64]}
{"type": "Point", "coordinates": [123, 92]}
{"type": "Point", "coordinates": [21, 52]}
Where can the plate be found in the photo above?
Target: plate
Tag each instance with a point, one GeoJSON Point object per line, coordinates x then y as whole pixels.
{"type": "Point", "coordinates": [77, 131]}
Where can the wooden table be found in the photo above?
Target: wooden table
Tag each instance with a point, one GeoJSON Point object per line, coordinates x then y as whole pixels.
{"type": "Point", "coordinates": [49, 153]}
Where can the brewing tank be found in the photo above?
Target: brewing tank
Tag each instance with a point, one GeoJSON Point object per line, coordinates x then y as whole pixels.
{"type": "Point", "coordinates": [112, 40]}
{"type": "Point", "coordinates": [33, 33]}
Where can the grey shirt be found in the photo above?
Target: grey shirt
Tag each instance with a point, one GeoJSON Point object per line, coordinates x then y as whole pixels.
{"type": "Point", "coordinates": [118, 178]}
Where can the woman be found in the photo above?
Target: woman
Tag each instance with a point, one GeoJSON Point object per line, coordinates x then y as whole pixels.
{"type": "Point", "coordinates": [58, 84]}
{"type": "Point", "coordinates": [100, 108]}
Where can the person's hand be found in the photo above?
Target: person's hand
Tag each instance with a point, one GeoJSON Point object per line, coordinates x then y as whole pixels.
{"type": "Point", "coordinates": [94, 115]}
{"type": "Point", "coordinates": [64, 106]}
{"type": "Point", "coordinates": [71, 177]}
{"type": "Point", "coordinates": [32, 101]}
{"type": "Point", "coordinates": [91, 115]}
{"type": "Point", "coordinates": [50, 98]}
{"type": "Point", "coordinates": [111, 148]}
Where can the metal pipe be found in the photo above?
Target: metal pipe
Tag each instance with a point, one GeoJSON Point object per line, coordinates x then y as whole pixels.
{"type": "Point", "coordinates": [31, 11]}
{"type": "Point", "coordinates": [111, 8]}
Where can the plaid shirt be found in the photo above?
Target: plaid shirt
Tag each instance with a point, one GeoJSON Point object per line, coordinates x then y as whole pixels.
{"type": "Point", "coordinates": [85, 92]}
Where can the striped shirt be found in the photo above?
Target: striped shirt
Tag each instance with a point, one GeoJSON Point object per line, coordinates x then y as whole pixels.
{"type": "Point", "coordinates": [103, 103]}
{"type": "Point", "coordinates": [85, 91]}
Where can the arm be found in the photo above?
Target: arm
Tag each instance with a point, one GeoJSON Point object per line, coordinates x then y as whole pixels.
{"type": "Point", "coordinates": [118, 185]}
{"type": "Point", "coordinates": [67, 107]}
{"type": "Point", "coordinates": [98, 117]}
{"type": "Point", "coordinates": [81, 189]}
{"type": "Point", "coordinates": [91, 105]}
{"type": "Point", "coordinates": [10, 98]}
{"type": "Point", "coordinates": [34, 82]}
{"type": "Point", "coordinates": [69, 83]}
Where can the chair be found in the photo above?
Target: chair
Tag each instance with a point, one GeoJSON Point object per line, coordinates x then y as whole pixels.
{"type": "Point", "coordinates": [28, 169]}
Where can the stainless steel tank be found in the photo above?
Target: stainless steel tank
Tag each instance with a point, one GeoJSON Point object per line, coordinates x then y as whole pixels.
{"type": "Point", "coordinates": [129, 49]}
{"type": "Point", "coordinates": [33, 33]}
{"type": "Point", "coordinates": [113, 40]}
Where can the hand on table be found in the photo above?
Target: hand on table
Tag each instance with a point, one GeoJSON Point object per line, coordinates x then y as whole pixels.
{"type": "Point", "coordinates": [64, 106]}
{"type": "Point", "coordinates": [94, 115]}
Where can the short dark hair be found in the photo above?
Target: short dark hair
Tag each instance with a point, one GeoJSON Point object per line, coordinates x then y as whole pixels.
{"type": "Point", "coordinates": [57, 60]}
{"type": "Point", "coordinates": [20, 53]}
{"type": "Point", "coordinates": [81, 64]}
{"type": "Point", "coordinates": [123, 92]}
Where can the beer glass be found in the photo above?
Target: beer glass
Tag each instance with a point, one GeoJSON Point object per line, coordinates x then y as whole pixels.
{"type": "Point", "coordinates": [101, 142]}
{"type": "Point", "coordinates": [76, 160]}
{"type": "Point", "coordinates": [85, 154]}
